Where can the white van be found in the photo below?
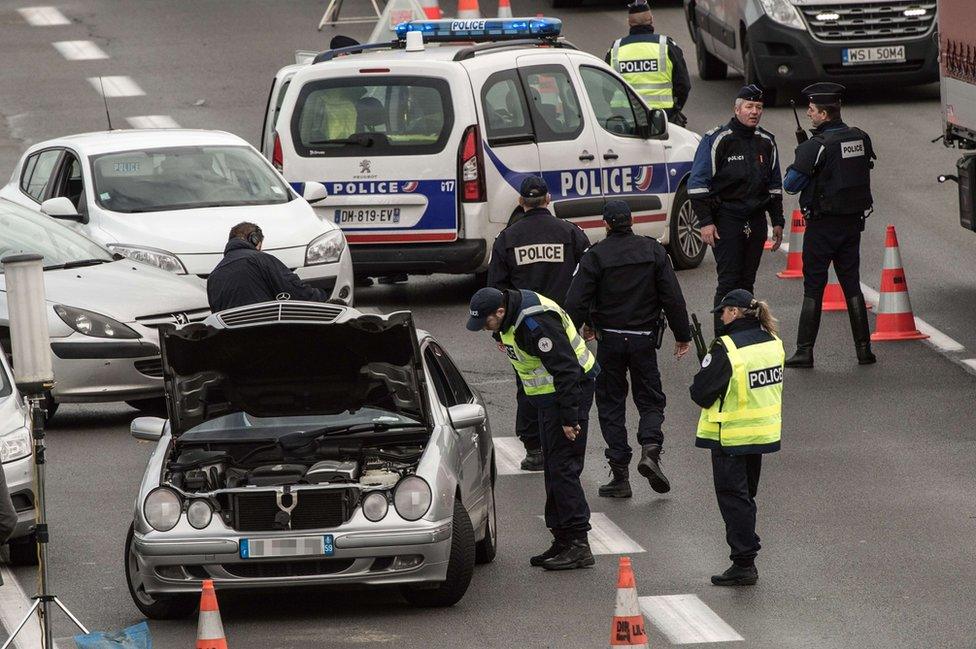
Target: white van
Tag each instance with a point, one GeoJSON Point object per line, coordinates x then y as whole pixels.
{"type": "Point", "coordinates": [422, 146]}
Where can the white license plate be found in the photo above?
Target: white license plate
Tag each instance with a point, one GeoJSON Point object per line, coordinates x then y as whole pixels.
{"type": "Point", "coordinates": [368, 216]}
{"type": "Point", "coordinates": [301, 546]}
{"type": "Point", "coordinates": [884, 54]}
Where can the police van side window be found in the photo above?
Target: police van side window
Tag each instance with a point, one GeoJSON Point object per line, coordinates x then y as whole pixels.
{"type": "Point", "coordinates": [610, 100]}
{"type": "Point", "coordinates": [554, 104]}
{"type": "Point", "coordinates": [506, 111]}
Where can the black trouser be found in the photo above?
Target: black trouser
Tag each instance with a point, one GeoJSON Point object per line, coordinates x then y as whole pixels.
{"type": "Point", "coordinates": [834, 239]}
{"type": "Point", "coordinates": [526, 418]}
{"type": "Point", "coordinates": [737, 256]}
{"type": "Point", "coordinates": [617, 355]}
{"type": "Point", "coordinates": [736, 482]}
{"type": "Point", "coordinates": [567, 514]}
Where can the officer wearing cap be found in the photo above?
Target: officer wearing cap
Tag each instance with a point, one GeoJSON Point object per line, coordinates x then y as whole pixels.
{"type": "Point", "coordinates": [652, 64]}
{"type": "Point", "coordinates": [557, 374]}
{"type": "Point", "coordinates": [538, 253]}
{"type": "Point", "coordinates": [740, 390]}
{"type": "Point", "coordinates": [832, 173]}
{"type": "Point", "coordinates": [735, 183]}
{"type": "Point", "coordinates": [619, 291]}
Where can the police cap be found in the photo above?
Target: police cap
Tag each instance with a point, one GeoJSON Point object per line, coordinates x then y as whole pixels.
{"type": "Point", "coordinates": [484, 302]}
{"type": "Point", "coordinates": [616, 213]}
{"type": "Point", "coordinates": [752, 92]}
{"type": "Point", "coordinates": [533, 187]}
{"type": "Point", "coordinates": [738, 297]}
{"type": "Point", "coordinates": [824, 93]}
{"type": "Point", "coordinates": [638, 7]}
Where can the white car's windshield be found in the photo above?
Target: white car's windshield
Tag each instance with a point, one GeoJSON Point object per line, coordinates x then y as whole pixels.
{"type": "Point", "coordinates": [182, 178]}
{"type": "Point", "coordinates": [59, 245]}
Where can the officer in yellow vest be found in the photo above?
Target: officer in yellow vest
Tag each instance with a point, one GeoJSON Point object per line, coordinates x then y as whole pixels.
{"type": "Point", "coordinates": [557, 373]}
{"type": "Point", "coordinates": [652, 64]}
{"type": "Point", "coordinates": [740, 390]}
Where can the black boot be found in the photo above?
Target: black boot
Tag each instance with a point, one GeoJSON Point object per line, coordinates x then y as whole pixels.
{"type": "Point", "coordinates": [554, 549]}
{"type": "Point", "coordinates": [806, 334]}
{"type": "Point", "coordinates": [619, 485]}
{"type": "Point", "coordinates": [650, 467]}
{"type": "Point", "coordinates": [737, 576]}
{"type": "Point", "coordinates": [576, 554]}
{"type": "Point", "coordinates": [532, 460]}
{"type": "Point", "coordinates": [858, 311]}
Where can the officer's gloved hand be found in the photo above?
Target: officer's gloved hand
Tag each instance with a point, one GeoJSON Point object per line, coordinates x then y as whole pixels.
{"type": "Point", "coordinates": [679, 119]}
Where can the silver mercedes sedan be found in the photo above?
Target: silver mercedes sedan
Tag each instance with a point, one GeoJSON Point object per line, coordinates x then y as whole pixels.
{"type": "Point", "coordinates": [310, 444]}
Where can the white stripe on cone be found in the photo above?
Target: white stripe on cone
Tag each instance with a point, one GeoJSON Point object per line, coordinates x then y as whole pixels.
{"type": "Point", "coordinates": [210, 626]}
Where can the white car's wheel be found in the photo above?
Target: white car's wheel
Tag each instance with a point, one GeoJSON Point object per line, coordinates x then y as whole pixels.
{"type": "Point", "coordinates": [488, 545]}
{"type": "Point", "coordinates": [155, 607]}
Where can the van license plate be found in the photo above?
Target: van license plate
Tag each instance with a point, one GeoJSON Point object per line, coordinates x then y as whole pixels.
{"type": "Point", "coordinates": [367, 216]}
{"type": "Point", "coordinates": [301, 546]}
{"type": "Point", "coordinates": [862, 55]}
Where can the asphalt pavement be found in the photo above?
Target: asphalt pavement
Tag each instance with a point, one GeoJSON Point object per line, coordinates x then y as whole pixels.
{"type": "Point", "coordinates": [866, 516]}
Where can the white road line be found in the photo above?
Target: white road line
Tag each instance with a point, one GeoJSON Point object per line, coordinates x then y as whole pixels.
{"type": "Point", "coordinates": [508, 456]}
{"type": "Point", "coordinates": [685, 619]}
{"type": "Point", "coordinates": [970, 362]}
{"type": "Point", "coordinates": [607, 538]}
{"type": "Point", "coordinates": [79, 50]}
{"type": "Point", "coordinates": [43, 16]}
{"type": "Point", "coordinates": [165, 121]}
{"type": "Point", "coordinates": [116, 86]}
{"type": "Point", "coordinates": [14, 603]}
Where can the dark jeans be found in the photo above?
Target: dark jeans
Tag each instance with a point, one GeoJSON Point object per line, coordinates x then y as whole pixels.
{"type": "Point", "coordinates": [567, 513]}
{"type": "Point", "coordinates": [526, 418]}
{"type": "Point", "coordinates": [736, 482]}
{"type": "Point", "coordinates": [737, 256]}
{"type": "Point", "coordinates": [832, 239]}
{"type": "Point", "coordinates": [617, 355]}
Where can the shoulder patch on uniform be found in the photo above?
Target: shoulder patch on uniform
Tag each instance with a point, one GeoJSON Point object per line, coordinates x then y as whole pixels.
{"type": "Point", "coordinates": [531, 323]}
{"type": "Point", "coordinates": [706, 361]}
{"type": "Point", "coordinates": [545, 345]}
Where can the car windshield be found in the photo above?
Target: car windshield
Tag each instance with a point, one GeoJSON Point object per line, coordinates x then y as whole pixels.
{"type": "Point", "coordinates": [59, 245]}
{"type": "Point", "coordinates": [240, 426]}
{"type": "Point", "coordinates": [183, 178]}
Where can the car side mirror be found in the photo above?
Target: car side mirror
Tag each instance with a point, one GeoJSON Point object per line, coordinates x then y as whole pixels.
{"type": "Point", "coordinates": [314, 192]}
{"type": "Point", "coordinates": [658, 126]}
{"type": "Point", "coordinates": [60, 207]}
{"type": "Point", "coordinates": [149, 429]}
{"type": "Point", "coordinates": [466, 415]}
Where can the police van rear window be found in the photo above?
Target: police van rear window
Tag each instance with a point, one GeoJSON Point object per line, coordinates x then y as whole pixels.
{"type": "Point", "coordinates": [397, 115]}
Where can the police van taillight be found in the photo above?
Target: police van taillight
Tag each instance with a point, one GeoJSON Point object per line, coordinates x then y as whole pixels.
{"type": "Point", "coordinates": [277, 157]}
{"type": "Point", "coordinates": [471, 167]}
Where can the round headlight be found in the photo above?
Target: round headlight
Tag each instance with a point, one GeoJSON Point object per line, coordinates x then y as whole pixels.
{"type": "Point", "coordinates": [199, 514]}
{"type": "Point", "coordinates": [412, 498]}
{"type": "Point", "coordinates": [162, 509]}
{"type": "Point", "coordinates": [375, 506]}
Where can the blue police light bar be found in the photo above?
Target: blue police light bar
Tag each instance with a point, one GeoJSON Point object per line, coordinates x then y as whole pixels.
{"type": "Point", "coordinates": [481, 30]}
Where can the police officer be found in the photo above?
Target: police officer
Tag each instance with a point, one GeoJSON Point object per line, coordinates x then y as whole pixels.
{"type": "Point", "coordinates": [832, 172]}
{"type": "Point", "coordinates": [652, 64]}
{"type": "Point", "coordinates": [735, 182]}
{"type": "Point", "coordinates": [622, 284]}
{"type": "Point", "coordinates": [740, 420]}
{"type": "Point", "coordinates": [557, 373]}
{"type": "Point", "coordinates": [246, 275]}
{"type": "Point", "coordinates": [539, 253]}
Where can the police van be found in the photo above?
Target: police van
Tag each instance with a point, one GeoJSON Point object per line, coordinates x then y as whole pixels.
{"type": "Point", "coordinates": [423, 142]}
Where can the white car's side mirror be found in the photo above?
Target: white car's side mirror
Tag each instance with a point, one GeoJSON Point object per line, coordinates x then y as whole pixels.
{"type": "Point", "coordinates": [466, 415]}
{"type": "Point", "coordinates": [149, 429]}
{"type": "Point", "coordinates": [60, 207]}
{"type": "Point", "coordinates": [314, 192]}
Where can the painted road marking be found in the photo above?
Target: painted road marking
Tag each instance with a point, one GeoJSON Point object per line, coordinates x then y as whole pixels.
{"type": "Point", "coordinates": [685, 619]}
{"type": "Point", "coordinates": [508, 456]}
{"type": "Point", "coordinates": [79, 50]}
{"type": "Point", "coordinates": [607, 538]}
{"type": "Point", "coordinates": [971, 362]}
{"type": "Point", "coordinates": [14, 603]}
{"type": "Point", "coordinates": [43, 16]}
{"type": "Point", "coordinates": [116, 86]}
{"type": "Point", "coordinates": [158, 121]}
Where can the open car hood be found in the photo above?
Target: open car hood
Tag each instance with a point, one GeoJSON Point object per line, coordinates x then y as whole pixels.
{"type": "Point", "coordinates": [279, 359]}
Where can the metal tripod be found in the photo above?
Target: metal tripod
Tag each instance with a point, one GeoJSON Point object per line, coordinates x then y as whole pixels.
{"type": "Point", "coordinates": [43, 599]}
{"type": "Point", "coordinates": [331, 15]}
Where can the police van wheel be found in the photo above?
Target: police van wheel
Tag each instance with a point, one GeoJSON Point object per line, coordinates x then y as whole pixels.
{"type": "Point", "coordinates": [566, 4]}
{"type": "Point", "coordinates": [460, 567]}
{"type": "Point", "coordinates": [752, 76]}
{"type": "Point", "coordinates": [23, 551]}
{"type": "Point", "coordinates": [710, 68]}
{"type": "Point", "coordinates": [685, 243]}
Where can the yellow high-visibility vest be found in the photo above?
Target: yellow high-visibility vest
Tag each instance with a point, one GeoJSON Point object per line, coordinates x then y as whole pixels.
{"type": "Point", "coordinates": [645, 65]}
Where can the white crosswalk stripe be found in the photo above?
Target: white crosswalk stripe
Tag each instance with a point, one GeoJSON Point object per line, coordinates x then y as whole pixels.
{"type": "Point", "coordinates": [116, 86]}
{"type": "Point", "coordinates": [154, 121]}
{"type": "Point", "coordinates": [685, 619]}
{"type": "Point", "coordinates": [508, 456]}
{"type": "Point", "coordinates": [607, 538]}
{"type": "Point", "coordinates": [79, 50]}
{"type": "Point", "coordinates": [43, 16]}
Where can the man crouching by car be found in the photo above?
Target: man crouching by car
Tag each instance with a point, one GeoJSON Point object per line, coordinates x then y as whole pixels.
{"type": "Point", "coordinates": [247, 276]}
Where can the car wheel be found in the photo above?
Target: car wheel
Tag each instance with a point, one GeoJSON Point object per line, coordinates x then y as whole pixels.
{"type": "Point", "coordinates": [155, 407]}
{"type": "Point", "coordinates": [685, 243]}
{"type": "Point", "coordinates": [710, 68]}
{"type": "Point", "coordinates": [487, 547]}
{"type": "Point", "coordinates": [460, 567]}
{"type": "Point", "coordinates": [155, 607]}
{"type": "Point", "coordinates": [566, 4]}
{"type": "Point", "coordinates": [23, 551]}
{"type": "Point", "coordinates": [752, 76]}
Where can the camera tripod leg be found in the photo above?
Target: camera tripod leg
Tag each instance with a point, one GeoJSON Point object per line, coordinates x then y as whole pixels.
{"type": "Point", "coordinates": [23, 622]}
{"type": "Point", "coordinates": [70, 615]}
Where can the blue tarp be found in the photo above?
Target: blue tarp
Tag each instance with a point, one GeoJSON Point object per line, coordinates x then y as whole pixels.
{"type": "Point", "coordinates": [135, 637]}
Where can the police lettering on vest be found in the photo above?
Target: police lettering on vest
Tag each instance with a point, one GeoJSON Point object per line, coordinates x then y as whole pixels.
{"type": "Point", "coordinates": [842, 181]}
{"type": "Point", "coordinates": [539, 252]}
{"type": "Point", "coordinates": [646, 65]}
{"type": "Point", "coordinates": [765, 377]}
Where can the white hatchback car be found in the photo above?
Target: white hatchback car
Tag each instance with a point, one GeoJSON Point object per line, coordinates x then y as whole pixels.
{"type": "Point", "coordinates": [170, 197]}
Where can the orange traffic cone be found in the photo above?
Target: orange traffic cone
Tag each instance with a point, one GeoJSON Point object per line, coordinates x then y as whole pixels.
{"type": "Point", "coordinates": [468, 9]}
{"type": "Point", "coordinates": [432, 9]}
{"type": "Point", "coordinates": [627, 629]}
{"type": "Point", "coordinates": [768, 245]}
{"type": "Point", "coordinates": [833, 297]}
{"type": "Point", "coordinates": [896, 321]}
{"type": "Point", "coordinates": [794, 258]}
{"type": "Point", "coordinates": [210, 630]}
{"type": "Point", "coordinates": [504, 9]}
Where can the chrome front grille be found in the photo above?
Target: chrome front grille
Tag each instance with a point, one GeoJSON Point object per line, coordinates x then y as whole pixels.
{"type": "Point", "coordinates": [870, 21]}
{"type": "Point", "coordinates": [284, 311]}
{"type": "Point", "coordinates": [178, 318]}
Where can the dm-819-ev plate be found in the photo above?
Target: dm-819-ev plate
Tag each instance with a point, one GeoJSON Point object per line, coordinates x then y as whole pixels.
{"type": "Point", "coordinates": [300, 546]}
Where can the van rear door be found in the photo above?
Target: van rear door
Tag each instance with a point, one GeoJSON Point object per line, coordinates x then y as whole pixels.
{"type": "Point", "coordinates": [273, 107]}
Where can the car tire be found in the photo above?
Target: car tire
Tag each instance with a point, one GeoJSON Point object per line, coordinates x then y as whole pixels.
{"type": "Point", "coordinates": [460, 567]}
{"type": "Point", "coordinates": [566, 4]}
{"type": "Point", "coordinates": [155, 407]}
{"type": "Point", "coordinates": [685, 244]}
{"type": "Point", "coordinates": [487, 547]}
{"type": "Point", "coordinates": [752, 76]}
{"type": "Point", "coordinates": [155, 607]}
{"type": "Point", "coordinates": [23, 551]}
{"type": "Point", "coordinates": [710, 68]}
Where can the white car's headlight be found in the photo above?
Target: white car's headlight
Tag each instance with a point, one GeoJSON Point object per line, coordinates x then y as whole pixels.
{"type": "Point", "coordinates": [93, 324]}
{"type": "Point", "coordinates": [412, 498]}
{"type": "Point", "coordinates": [199, 513]}
{"type": "Point", "coordinates": [325, 249]}
{"type": "Point", "coordinates": [152, 256]}
{"type": "Point", "coordinates": [783, 12]}
{"type": "Point", "coordinates": [15, 445]}
{"type": "Point", "coordinates": [375, 506]}
{"type": "Point", "coordinates": [162, 509]}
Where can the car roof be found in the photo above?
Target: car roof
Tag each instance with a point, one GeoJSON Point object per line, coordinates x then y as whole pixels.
{"type": "Point", "coordinates": [131, 139]}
